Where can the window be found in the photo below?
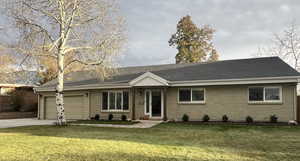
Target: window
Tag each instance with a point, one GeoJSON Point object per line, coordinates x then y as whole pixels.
{"type": "Point", "coordinates": [197, 95]}
{"type": "Point", "coordinates": [115, 101]}
{"type": "Point", "coordinates": [264, 94]}
{"type": "Point", "coordinates": [112, 101]}
{"type": "Point", "coordinates": [191, 95]}
{"type": "Point", "coordinates": [256, 94]}
{"type": "Point", "coordinates": [119, 101]}
{"type": "Point", "coordinates": [184, 95]}
{"type": "Point", "coordinates": [104, 100]}
{"type": "Point", "coordinates": [125, 100]}
{"type": "Point", "coordinates": [272, 93]}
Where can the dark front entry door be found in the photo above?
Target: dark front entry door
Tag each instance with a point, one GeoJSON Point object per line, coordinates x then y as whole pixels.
{"type": "Point", "coordinates": [156, 103]}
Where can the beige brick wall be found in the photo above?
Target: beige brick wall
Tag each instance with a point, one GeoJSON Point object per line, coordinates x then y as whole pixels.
{"type": "Point", "coordinates": [220, 100]}
{"type": "Point", "coordinates": [232, 101]}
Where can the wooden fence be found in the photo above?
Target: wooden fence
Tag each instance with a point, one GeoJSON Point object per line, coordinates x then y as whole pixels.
{"type": "Point", "coordinates": [26, 100]}
{"type": "Point", "coordinates": [5, 103]}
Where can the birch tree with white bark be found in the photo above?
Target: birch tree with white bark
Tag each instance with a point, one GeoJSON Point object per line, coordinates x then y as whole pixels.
{"type": "Point", "coordinates": [81, 34]}
{"type": "Point", "coordinates": [6, 61]}
{"type": "Point", "coordinates": [285, 45]}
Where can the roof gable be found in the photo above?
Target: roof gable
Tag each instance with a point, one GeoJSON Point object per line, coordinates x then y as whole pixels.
{"type": "Point", "coordinates": [148, 79]}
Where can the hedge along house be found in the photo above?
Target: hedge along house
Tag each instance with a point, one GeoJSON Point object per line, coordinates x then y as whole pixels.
{"type": "Point", "coordinates": [257, 87]}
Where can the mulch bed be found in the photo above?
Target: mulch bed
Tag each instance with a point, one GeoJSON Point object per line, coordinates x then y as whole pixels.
{"type": "Point", "coordinates": [235, 123]}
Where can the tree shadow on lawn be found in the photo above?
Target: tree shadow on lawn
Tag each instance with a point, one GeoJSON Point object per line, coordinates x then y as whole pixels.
{"type": "Point", "coordinates": [108, 156]}
{"type": "Point", "coordinates": [246, 139]}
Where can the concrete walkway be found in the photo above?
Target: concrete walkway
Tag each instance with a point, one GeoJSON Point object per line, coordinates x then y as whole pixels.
{"type": "Point", "coordinates": [142, 124]}
{"type": "Point", "coordinates": [24, 122]}
{"type": "Point", "coordinates": [33, 121]}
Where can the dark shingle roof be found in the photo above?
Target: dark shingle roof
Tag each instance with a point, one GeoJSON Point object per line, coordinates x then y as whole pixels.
{"type": "Point", "coordinates": [231, 69]}
{"type": "Point", "coordinates": [227, 69]}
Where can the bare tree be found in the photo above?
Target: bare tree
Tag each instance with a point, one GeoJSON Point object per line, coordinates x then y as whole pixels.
{"type": "Point", "coordinates": [6, 60]}
{"type": "Point", "coordinates": [286, 45]}
{"type": "Point", "coordinates": [6, 63]}
{"type": "Point", "coordinates": [83, 33]}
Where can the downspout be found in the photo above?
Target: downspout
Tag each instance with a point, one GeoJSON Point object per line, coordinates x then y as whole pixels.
{"type": "Point", "coordinates": [133, 104]}
{"type": "Point", "coordinates": [295, 103]}
{"type": "Point", "coordinates": [38, 112]}
{"type": "Point", "coordinates": [89, 104]}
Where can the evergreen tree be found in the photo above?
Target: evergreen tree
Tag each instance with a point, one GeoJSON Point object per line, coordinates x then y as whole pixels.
{"type": "Point", "coordinates": [193, 44]}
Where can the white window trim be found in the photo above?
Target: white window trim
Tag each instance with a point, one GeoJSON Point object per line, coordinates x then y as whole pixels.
{"type": "Point", "coordinates": [191, 102]}
{"type": "Point", "coordinates": [150, 100]}
{"type": "Point", "coordinates": [108, 102]}
{"type": "Point", "coordinates": [150, 104]}
{"type": "Point", "coordinates": [264, 93]}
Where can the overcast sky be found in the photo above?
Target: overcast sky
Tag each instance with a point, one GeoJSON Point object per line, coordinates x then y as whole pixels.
{"type": "Point", "coordinates": [241, 26]}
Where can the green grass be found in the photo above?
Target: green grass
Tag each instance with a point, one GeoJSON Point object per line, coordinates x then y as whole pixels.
{"type": "Point", "coordinates": [116, 122]}
{"type": "Point", "coordinates": [169, 141]}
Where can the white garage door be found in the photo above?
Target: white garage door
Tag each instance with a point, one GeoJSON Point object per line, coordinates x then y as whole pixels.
{"type": "Point", "coordinates": [73, 107]}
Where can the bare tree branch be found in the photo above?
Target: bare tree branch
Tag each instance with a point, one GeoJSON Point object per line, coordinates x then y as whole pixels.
{"type": "Point", "coordinates": [68, 35]}
{"type": "Point", "coordinates": [42, 11]}
{"type": "Point", "coordinates": [285, 45]}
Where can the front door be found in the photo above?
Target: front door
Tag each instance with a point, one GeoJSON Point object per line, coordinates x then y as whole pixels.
{"type": "Point", "coordinates": [153, 103]}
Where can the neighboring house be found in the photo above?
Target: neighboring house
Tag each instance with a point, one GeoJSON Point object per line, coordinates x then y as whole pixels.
{"type": "Point", "coordinates": [257, 87]}
{"type": "Point", "coordinates": [19, 83]}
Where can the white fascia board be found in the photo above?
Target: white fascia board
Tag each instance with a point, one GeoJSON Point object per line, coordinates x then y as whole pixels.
{"type": "Point", "coordinates": [237, 81]}
{"type": "Point", "coordinates": [83, 88]}
{"type": "Point", "coordinates": [148, 75]}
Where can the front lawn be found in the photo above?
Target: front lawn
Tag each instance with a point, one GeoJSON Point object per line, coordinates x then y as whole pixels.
{"type": "Point", "coordinates": [169, 141]}
{"type": "Point", "coordinates": [114, 122]}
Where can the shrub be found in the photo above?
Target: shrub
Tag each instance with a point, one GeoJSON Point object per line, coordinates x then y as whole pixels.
{"type": "Point", "coordinates": [97, 117]}
{"type": "Point", "coordinates": [185, 118]}
{"type": "Point", "coordinates": [249, 119]}
{"type": "Point", "coordinates": [225, 118]}
{"type": "Point", "coordinates": [273, 119]}
{"type": "Point", "coordinates": [124, 118]}
{"type": "Point", "coordinates": [110, 117]}
{"type": "Point", "coordinates": [205, 118]}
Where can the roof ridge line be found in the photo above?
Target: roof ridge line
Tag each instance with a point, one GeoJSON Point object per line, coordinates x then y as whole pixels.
{"type": "Point", "coordinates": [198, 62]}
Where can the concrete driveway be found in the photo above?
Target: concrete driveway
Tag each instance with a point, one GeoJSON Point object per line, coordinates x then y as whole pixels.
{"type": "Point", "coordinates": [24, 122]}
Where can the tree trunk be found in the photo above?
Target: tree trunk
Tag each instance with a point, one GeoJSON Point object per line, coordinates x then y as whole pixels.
{"type": "Point", "coordinates": [61, 120]}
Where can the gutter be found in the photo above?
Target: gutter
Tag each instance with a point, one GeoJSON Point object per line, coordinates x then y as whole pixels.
{"type": "Point", "coordinates": [109, 86]}
{"type": "Point", "coordinates": [220, 80]}
{"type": "Point", "coordinates": [294, 79]}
